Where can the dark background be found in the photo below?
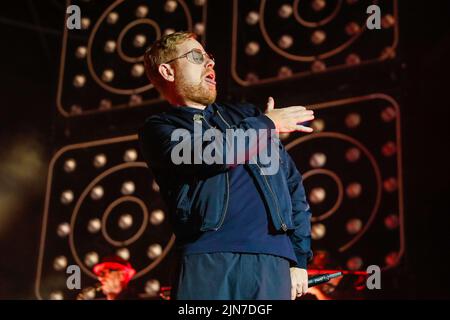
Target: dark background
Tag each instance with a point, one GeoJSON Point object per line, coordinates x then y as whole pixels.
{"type": "Point", "coordinates": [31, 36]}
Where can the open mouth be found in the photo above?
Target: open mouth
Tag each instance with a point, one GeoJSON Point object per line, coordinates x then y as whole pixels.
{"type": "Point", "coordinates": [210, 78]}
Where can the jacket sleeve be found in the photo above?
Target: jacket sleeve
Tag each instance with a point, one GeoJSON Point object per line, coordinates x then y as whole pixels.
{"type": "Point", "coordinates": [301, 213]}
{"type": "Point", "coordinates": [156, 145]}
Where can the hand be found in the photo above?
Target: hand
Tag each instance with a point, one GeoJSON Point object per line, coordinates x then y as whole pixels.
{"type": "Point", "coordinates": [299, 282]}
{"type": "Point", "coordinates": [288, 119]}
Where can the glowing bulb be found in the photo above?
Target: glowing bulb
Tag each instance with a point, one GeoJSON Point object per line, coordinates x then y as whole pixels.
{"type": "Point", "coordinates": [94, 225]}
{"type": "Point", "coordinates": [63, 229]}
{"type": "Point", "coordinates": [128, 187]}
{"type": "Point", "coordinates": [390, 184]}
{"type": "Point", "coordinates": [105, 104]}
{"type": "Point", "coordinates": [388, 114]}
{"type": "Point", "coordinates": [139, 40]}
{"type": "Point", "coordinates": [137, 70]}
{"type": "Point", "coordinates": [285, 11]}
{"type": "Point", "coordinates": [154, 251]}
{"type": "Point", "coordinates": [135, 99]}
{"type": "Point", "coordinates": [56, 295]}
{"type": "Point", "coordinates": [99, 160]}
{"type": "Point", "coordinates": [130, 155]}
{"type": "Point", "coordinates": [110, 46]}
{"type": "Point", "coordinates": [391, 222]}
{"type": "Point", "coordinates": [252, 18]}
{"type": "Point", "coordinates": [284, 72]}
{"type": "Point", "coordinates": [60, 263]}
{"type": "Point", "coordinates": [354, 226]}
{"type": "Point", "coordinates": [252, 48]}
{"type": "Point", "coordinates": [97, 193]}
{"type": "Point", "coordinates": [157, 217]}
{"type": "Point", "coordinates": [387, 21]}
{"type": "Point", "coordinates": [70, 165]}
{"type": "Point", "coordinates": [318, 125]}
{"type": "Point", "coordinates": [318, 160]}
{"type": "Point", "coordinates": [318, 5]}
{"type": "Point", "coordinates": [353, 154]}
{"type": "Point", "coordinates": [354, 263]}
{"type": "Point", "coordinates": [352, 59]}
{"type": "Point", "coordinates": [79, 80]}
{"type": "Point", "coordinates": [141, 11]}
{"type": "Point", "coordinates": [318, 231]}
{"type": "Point", "coordinates": [285, 41]}
{"type": "Point", "coordinates": [152, 287]}
{"type": "Point", "coordinates": [389, 149]}
{"type": "Point", "coordinates": [108, 75]}
{"type": "Point", "coordinates": [81, 52]}
{"type": "Point", "coordinates": [170, 6]}
{"type": "Point", "coordinates": [85, 23]}
{"type": "Point", "coordinates": [67, 197]}
{"type": "Point", "coordinates": [91, 259]}
{"type": "Point", "coordinates": [318, 37]}
{"type": "Point", "coordinates": [112, 18]}
{"type": "Point", "coordinates": [318, 66]}
{"type": "Point", "coordinates": [391, 259]}
{"type": "Point", "coordinates": [352, 120]}
{"type": "Point", "coordinates": [317, 195]}
{"type": "Point", "coordinates": [199, 29]}
{"type": "Point", "coordinates": [352, 28]}
{"type": "Point", "coordinates": [155, 186]}
{"type": "Point", "coordinates": [353, 190]}
{"type": "Point", "coordinates": [125, 221]}
{"type": "Point", "coordinates": [123, 253]}
{"type": "Point", "coordinates": [168, 31]}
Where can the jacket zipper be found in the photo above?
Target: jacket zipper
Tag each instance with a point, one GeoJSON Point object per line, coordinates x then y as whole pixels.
{"type": "Point", "coordinates": [283, 225]}
{"type": "Point", "coordinates": [200, 117]}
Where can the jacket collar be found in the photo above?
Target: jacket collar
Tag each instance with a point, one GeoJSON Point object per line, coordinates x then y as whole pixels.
{"type": "Point", "coordinates": [186, 110]}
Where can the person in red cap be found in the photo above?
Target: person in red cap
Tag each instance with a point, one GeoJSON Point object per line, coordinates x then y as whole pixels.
{"type": "Point", "coordinates": [114, 274]}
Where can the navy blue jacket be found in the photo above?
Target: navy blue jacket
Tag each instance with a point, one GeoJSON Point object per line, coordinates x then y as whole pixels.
{"type": "Point", "coordinates": [197, 194]}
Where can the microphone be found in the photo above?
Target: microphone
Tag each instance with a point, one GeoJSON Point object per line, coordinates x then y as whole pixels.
{"type": "Point", "coordinates": [314, 281]}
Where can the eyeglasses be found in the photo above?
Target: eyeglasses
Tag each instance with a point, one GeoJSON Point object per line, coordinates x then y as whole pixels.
{"type": "Point", "coordinates": [196, 56]}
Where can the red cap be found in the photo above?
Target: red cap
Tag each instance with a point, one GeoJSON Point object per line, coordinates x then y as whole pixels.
{"type": "Point", "coordinates": [115, 263]}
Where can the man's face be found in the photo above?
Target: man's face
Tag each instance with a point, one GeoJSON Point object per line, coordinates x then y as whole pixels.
{"type": "Point", "coordinates": [194, 82]}
{"type": "Point", "coordinates": [112, 282]}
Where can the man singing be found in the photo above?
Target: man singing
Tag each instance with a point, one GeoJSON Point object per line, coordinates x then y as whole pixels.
{"type": "Point", "coordinates": [242, 233]}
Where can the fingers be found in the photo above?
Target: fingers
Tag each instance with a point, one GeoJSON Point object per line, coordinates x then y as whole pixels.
{"type": "Point", "coordinates": [301, 289]}
{"type": "Point", "coordinates": [294, 108]}
{"type": "Point", "coordinates": [304, 128]}
{"type": "Point", "coordinates": [293, 292]}
{"type": "Point", "coordinates": [302, 113]}
{"type": "Point", "coordinates": [270, 104]}
{"type": "Point", "coordinates": [295, 128]}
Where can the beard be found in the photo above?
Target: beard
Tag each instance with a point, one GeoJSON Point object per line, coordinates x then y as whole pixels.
{"type": "Point", "coordinates": [199, 92]}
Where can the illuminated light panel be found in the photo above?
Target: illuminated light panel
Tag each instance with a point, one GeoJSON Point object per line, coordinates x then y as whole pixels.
{"type": "Point", "coordinates": [84, 231]}
{"type": "Point", "coordinates": [326, 36]}
{"type": "Point", "coordinates": [114, 37]}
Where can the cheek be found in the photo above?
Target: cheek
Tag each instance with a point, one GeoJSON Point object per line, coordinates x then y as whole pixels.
{"type": "Point", "coordinates": [191, 74]}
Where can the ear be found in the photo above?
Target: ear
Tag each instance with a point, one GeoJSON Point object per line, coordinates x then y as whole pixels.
{"type": "Point", "coordinates": [167, 72]}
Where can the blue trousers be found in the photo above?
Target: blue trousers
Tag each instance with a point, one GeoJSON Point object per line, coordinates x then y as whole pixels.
{"type": "Point", "coordinates": [232, 276]}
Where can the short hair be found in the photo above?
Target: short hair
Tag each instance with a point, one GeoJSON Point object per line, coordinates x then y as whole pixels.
{"type": "Point", "coordinates": [162, 50]}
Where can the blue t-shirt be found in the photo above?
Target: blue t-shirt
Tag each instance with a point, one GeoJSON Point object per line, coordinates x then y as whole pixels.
{"type": "Point", "coordinates": [247, 227]}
